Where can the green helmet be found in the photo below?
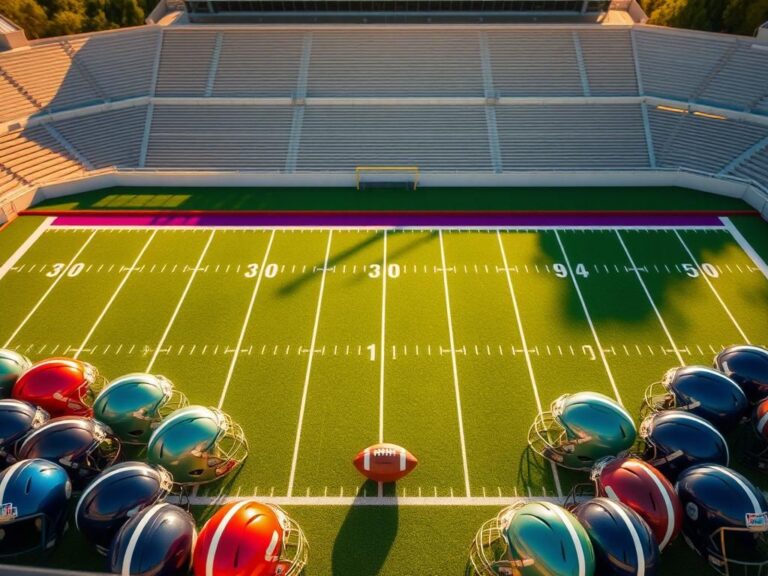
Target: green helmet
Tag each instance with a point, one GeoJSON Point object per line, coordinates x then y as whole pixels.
{"type": "Point", "coordinates": [197, 445]}
{"type": "Point", "coordinates": [533, 539]}
{"type": "Point", "coordinates": [133, 405]}
{"type": "Point", "coordinates": [580, 429]}
{"type": "Point", "coordinates": [12, 364]}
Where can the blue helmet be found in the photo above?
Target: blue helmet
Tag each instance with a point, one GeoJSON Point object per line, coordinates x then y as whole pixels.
{"type": "Point", "coordinates": [12, 364]}
{"type": "Point", "coordinates": [17, 419]}
{"type": "Point", "coordinates": [701, 391]}
{"type": "Point", "coordinates": [158, 541]}
{"type": "Point", "coordinates": [746, 365]}
{"type": "Point", "coordinates": [116, 495]}
{"type": "Point", "coordinates": [34, 495]}
{"type": "Point", "coordinates": [725, 519]}
{"type": "Point", "coordinates": [677, 440]}
{"type": "Point", "coordinates": [624, 544]}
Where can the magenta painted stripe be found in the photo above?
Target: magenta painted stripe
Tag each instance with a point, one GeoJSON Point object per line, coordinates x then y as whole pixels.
{"type": "Point", "coordinates": [394, 220]}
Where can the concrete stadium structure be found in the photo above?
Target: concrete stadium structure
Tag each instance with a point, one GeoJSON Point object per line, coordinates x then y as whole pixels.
{"type": "Point", "coordinates": [493, 104]}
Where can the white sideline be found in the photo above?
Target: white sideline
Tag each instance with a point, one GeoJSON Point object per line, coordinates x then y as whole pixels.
{"type": "Point", "coordinates": [297, 443]}
{"type": "Point", "coordinates": [703, 275]}
{"type": "Point", "coordinates": [454, 365]}
{"type": "Point", "coordinates": [589, 319]}
{"type": "Point", "coordinates": [650, 299]}
{"type": "Point", "coordinates": [21, 250]}
{"type": "Point", "coordinates": [746, 246]}
{"type": "Point", "coordinates": [384, 274]}
{"type": "Point", "coordinates": [114, 296]}
{"type": "Point", "coordinates": [50, 289]}
{"type": "Point", "coordinates": [368, 500]}
{"type": "Point", "coordinates": [180, 302]}
{"type": "Point", "coordinates": [528, 363]}
{"type": "Point", "coordinates": [246, 320]}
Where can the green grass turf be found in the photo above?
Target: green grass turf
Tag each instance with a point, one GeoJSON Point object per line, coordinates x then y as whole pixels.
{"type": "Point", "coordinates": [341, 415]}
{"type": "Point", "coordinates": [15, 233]}
{"type": "Point", "coordinates": [609, 198]}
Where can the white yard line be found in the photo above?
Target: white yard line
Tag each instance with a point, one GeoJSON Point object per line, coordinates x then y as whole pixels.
{"type": "Point", "coordinates": [347, 501]}
{"type": "Point", "coordinates": [387, 227]}
{"type": "Point", "coordinates": [246, 320]}
{"type": "Point", "coordinates": [650, 299]}
{"type": "Point", "coordinates": [114, 296]}
{"type": "Point", "coordinates": [704, 275]}
{"type": "Point", "coordinates": [382, 352]}
{"type": "Point", "coordinates": [528, 363]}
{"type": "Point", "coordinates": [180, 302]}
{"type": "Point", "coordinates": [297, 442]}
{"type": "Point", "coordinates": [61, 275]}
{"type": "Point", "coordinates": [589, 319]}
{"type": "Point", "coordinates": [455, 368]}
{"type": "Point", "coordinates": [746, 246]}
{"type": "Point", "coordinates": [34, 237]}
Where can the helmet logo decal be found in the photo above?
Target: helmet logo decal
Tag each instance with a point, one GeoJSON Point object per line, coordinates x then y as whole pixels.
{"type": "Point", "coordinates": [692, 511]}
{"type": "Point", "coordinates": [8, 512]}
{"type": "Point", "coordinates": [757, 522]}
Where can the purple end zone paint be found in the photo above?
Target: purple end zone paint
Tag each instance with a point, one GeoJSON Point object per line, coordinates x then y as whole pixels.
{"type": "Point", "coordinates": [391, 219]}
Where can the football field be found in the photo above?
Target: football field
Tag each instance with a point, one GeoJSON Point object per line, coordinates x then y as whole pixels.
{"type": "Point", "coordinates": [321, 341]}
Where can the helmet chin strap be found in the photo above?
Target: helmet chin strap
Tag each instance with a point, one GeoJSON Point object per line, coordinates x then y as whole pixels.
{"type": "Point", "coordinates": [676, 454]}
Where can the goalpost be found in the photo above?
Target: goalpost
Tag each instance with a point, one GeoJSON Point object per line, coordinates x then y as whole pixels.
{"type": "Point", "coordinates": [387, 177]}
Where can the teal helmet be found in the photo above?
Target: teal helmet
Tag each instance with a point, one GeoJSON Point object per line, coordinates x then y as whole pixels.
{"type": "Point", "coordinates": [533, 539]}
{"type": "Point", "coordinates": [582, 428]}
{"type": "Point", "coordinates": [197, 445]}
{"type": "Point", "coordinates": [12, 364]}
{"type": "Point", "coordinates": [135, 404]}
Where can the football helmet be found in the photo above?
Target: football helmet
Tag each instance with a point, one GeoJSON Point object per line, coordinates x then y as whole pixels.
{"type": "Point", "coordinates": [116, 495]}
{"type": "Point", "coordinates": [248, 537]}
{"type": "Point", "coordinates": [624, 544]}
{"type": "Point", "coordinates": [33, 514]}
{"type": "Point", "coordinates": [756, 446]}
{"type": "Point", "coordinates": [533, 539]}
{"type": "Point", "coordinates": [17, 419]}
{"type": "Point", "coordinates": [158, 541]}
{"type": "Point", "coordinates": [133, 405]}
{"type": "Point", "coordinates": [197, 445]}
{"type": "Point", "coordinates": [726, 519]}
{"type": "Point", "coordinates": [642, 488]}
{"type": "Point", "coordinates": [701, 391]}
{"type": "Point", "coordinates": [676, 440]}
{"type": "Point", "coordinates": [83, 447]}
{"type": "Point", "coordinates": [12, 365]}
{"type": "Point", "coordinates": [60, 386]}
{"type": "Point", "coordinates": [747, 366]}
{"type": "Point", "coordinates": [580, 429]}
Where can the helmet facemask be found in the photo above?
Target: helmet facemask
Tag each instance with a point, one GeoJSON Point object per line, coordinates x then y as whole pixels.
{"type": "Point", "coordinates": [549, 438]}
{"type": "Point", "coordinates": [740, 551]}
{"type": "Point", "coordinates": [295, 550]}
{"type": "Point", "coordinates": [230, 447]}
{"type": "Point", "coordinates": [489, 554]}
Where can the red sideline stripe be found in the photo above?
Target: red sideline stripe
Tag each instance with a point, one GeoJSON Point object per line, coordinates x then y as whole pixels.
{"type": "Point", "coordinates": [386, 213]}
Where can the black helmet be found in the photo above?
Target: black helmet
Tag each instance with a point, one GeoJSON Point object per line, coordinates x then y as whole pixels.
{"type": "Point", "coordinates": [17, 419]}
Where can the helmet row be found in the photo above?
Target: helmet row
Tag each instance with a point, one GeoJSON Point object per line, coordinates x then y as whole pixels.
{"type": "Point", "coordinates": [634, 516]}
{"type": "Point", "coordinates": [124, 513]}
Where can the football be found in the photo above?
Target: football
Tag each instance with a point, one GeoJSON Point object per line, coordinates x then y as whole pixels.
{"type": "Point", "coordinates": [385, 462]}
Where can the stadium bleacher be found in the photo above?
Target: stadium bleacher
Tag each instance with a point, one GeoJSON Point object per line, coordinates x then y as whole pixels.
{"type": "Point", "coordinates": [475, 99]}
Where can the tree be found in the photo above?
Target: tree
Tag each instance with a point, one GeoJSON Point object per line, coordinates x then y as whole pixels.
{"type": "Point", "coordinates": [745, 16]}
{"type": "Point", "coordinates": [28, 15]}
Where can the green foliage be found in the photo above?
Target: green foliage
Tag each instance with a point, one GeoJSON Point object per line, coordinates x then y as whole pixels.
{"type": "Point", "coordinates": [734, 16]}
{"type": "Point", "coordinates": [41, 18]}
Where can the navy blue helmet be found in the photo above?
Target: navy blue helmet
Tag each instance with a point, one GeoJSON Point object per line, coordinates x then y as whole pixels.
{"type": "Point", "coordinates": [117, 494]}
{"type": "Point", "coordinates": [624, 544]}
{"type": "Point", "coordinates": [701, 391]}
{"type": "Point", "coordinates": [747, 366]}
{"type": "Point", "coordinates": [725, 519]}
{"type": "Point", "coordinates": [158, 541]}
{"type": "Point", "coordinates": [34, 495]}
{"type": "Point", "coordinates": [677, 440]}
{"type": "Point", "coordinates": [17, 419]}
{"type": "Point", "coordinates": [83, 447]}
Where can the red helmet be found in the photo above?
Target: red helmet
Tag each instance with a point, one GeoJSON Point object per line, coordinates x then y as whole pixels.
{"type": "Point", "coordinates": [60, 386]}
{"type": "Point", "coordinates": [760, 419]}
{"type": "Point", "coordinates": [641, 487]}
{"type": "Point", "coordinates": [248, 538]}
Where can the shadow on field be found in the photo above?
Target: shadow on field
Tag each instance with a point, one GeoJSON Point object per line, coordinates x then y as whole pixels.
{"type": "Point", "coordinates": [603, 292]}
{"type": "Point", "coordinates": [365, 538]}
{"type": "Point", "coordinates": [340, 257]}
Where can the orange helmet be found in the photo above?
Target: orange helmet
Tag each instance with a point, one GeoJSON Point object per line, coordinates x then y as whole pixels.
{"type": "Point", "coordinates": [248, 538]}
{"type": "Point", "coordinates": [60, 386]}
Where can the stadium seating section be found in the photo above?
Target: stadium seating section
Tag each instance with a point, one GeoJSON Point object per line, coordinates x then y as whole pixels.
{"type": "Point", "coordinates": [483, 99]}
